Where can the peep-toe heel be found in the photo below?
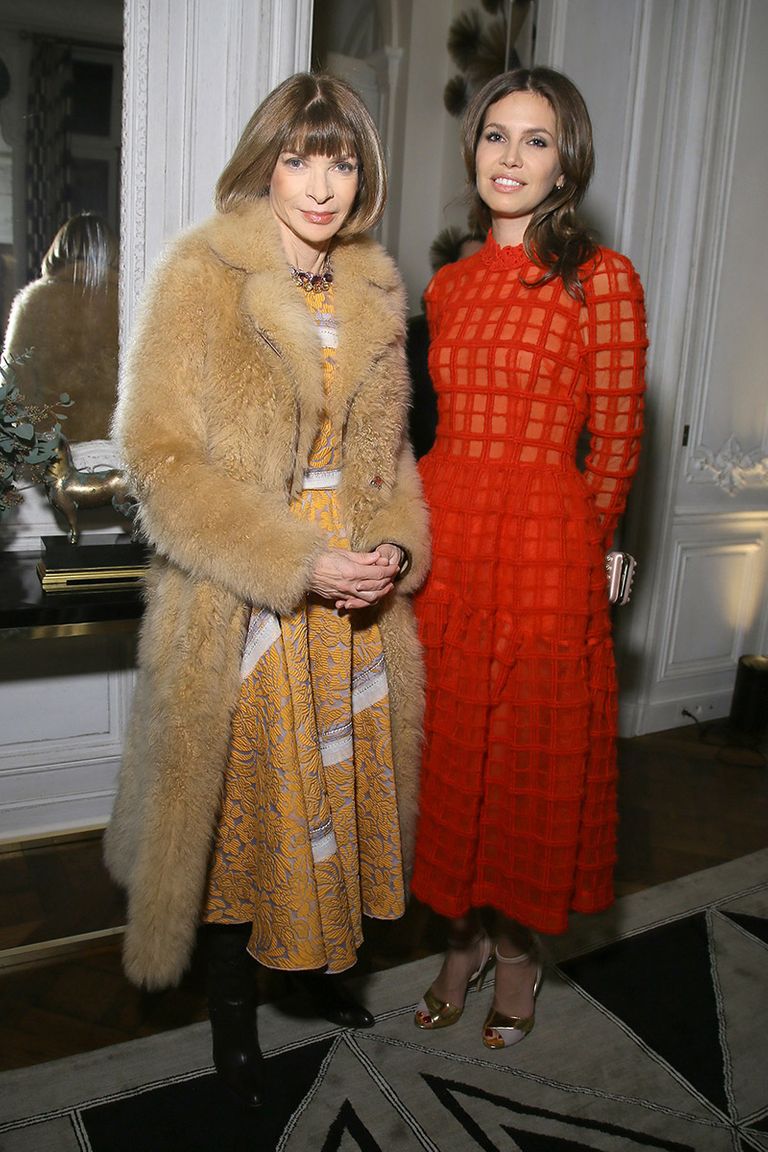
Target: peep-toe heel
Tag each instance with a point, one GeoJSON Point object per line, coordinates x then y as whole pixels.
{"type": "Point", "coordinates": [501, 1031]}
{"type": "Point", "coordinates": [432, 1012]}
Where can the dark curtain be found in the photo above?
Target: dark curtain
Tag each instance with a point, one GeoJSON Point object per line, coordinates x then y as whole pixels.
{"type": "Point", "coordinates": [49, 179]}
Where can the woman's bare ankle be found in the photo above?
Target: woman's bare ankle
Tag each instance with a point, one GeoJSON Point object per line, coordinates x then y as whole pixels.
{"type": "Point", "coordinates": [461, 960]}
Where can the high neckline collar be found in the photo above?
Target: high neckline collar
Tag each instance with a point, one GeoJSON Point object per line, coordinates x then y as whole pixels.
{"type": "Point", "coordinates": [510, 256]}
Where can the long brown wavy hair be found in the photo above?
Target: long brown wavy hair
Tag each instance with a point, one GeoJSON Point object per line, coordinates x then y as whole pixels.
{"type": "Point", "coordinates": [554, 239]}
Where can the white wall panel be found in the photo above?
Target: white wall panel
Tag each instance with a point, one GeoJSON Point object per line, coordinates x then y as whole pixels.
{"type": "Point", "coordinates": [715, 595]}
{"type": "Point", "coordinates": [54, 709]}
{"type": "Point", "coordinates": [66, 779]}
{"type": "Point", "coordinates": [57, 798]}
{"type": "Point", "coordinates": [716, 611]}
{"type": "Point", "coordinates": [63, 710]}
{"type": "Point", "coordinates": [723, 373]}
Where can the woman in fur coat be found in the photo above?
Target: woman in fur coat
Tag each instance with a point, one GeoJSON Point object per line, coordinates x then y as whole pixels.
{"type": "Point", "coordinates": [270, 771]}
{"type": "Point", "coordinates": [64, 325]}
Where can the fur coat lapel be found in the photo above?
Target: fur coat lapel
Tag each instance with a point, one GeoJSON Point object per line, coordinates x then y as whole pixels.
{"type": "Point", "coordinates": [368, 301]}
{"type": "Point", "coordinates": [372, 309]}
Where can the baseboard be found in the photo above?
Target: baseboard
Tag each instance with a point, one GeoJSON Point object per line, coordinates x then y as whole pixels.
{"type": "Point", "coordinates": [53, 951]}
{"type": "Point", "coordinates": [638, 719]}
{"type": "Point", "coordinates": [57, 816]}
{"type": "Point", "coordinates": [52, 839]}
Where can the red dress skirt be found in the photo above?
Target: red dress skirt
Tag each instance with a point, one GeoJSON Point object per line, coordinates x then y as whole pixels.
{"type": "Point", "coordinates": [518, 799]}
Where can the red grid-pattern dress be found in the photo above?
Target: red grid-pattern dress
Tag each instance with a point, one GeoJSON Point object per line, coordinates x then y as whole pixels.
{"type": "Point", "coordinates": [518, 800]}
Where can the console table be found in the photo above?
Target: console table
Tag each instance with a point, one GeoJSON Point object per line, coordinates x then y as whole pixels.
{"type": "Point", "coordinates": [26, 611]}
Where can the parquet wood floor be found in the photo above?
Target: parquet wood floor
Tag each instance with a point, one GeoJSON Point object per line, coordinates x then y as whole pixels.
{"type": "Point", "coordinates": [689, 799]}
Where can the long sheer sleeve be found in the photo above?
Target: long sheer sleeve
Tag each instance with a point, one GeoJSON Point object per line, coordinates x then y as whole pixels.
{"type": "Point", "coordinates": [615, 342]}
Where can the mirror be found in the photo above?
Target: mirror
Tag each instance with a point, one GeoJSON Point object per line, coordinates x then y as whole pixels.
{"type": "Point", "coordinates": [60, 128]}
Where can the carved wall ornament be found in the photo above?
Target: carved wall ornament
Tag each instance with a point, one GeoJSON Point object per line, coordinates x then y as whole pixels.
{"type": "Point", "coordinates": [731, 467]}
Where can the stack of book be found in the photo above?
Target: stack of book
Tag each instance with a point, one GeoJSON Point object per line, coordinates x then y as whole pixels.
{"type": "Point", "coordinates": [95, 563]}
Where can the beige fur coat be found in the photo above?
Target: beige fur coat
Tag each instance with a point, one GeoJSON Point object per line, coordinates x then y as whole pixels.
{"type": "Point", "coordinates": [219, 406]}
{"type": "Point", "coordinates": [71, 340]}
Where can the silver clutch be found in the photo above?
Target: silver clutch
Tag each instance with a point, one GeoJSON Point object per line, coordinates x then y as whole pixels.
{"type": "Point", "coordinates": [620, 572]}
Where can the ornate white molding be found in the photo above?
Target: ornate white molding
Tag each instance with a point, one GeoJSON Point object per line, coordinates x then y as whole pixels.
{"type": "Point", "coordinates": [133, 166]}
{"type": "Point", "coordinates": [730, 467]}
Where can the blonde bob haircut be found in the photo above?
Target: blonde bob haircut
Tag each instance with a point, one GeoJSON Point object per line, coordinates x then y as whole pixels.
{"type": "Point", "coordinates": [311, 115]}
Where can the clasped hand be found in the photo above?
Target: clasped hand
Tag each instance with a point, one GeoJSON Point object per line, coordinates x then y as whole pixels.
{"type": "Point", "coordinates": [355, 579]}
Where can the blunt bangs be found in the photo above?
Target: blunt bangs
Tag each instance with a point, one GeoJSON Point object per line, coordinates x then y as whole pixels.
{"type": "Point", "coordinates": [319, 133]}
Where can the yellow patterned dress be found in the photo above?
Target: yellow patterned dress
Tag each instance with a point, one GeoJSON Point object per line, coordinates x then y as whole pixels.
{"type": "Point", "coordinates": [308, 838]}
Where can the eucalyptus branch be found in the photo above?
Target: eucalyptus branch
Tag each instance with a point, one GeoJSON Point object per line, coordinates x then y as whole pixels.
{"type": "Point", "coordinates": [29, 434]}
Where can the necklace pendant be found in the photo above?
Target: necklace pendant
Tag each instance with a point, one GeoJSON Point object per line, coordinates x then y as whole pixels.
{"type": "Point", "coordinates": [312, 281]}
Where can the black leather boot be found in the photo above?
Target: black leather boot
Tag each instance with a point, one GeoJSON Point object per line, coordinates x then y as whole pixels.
{"type": "Point", "coordinates": [232, 1011]}
{"type": "Point", "coordinates": [332, 1000]}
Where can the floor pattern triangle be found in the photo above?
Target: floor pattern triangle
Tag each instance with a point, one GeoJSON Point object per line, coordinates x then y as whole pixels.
{"type": "Point", "coordinates": [199, 1114]}
{"type": "Point", "coordinates": [756, 925]}
{"type": "Point", "coordinates": [660, 985]}
{"type": "Point", "coordinates": [348, 1123]}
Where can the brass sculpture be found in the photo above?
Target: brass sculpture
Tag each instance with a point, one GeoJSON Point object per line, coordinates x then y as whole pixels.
{"type": "Point", "coordinates": [69, 488]}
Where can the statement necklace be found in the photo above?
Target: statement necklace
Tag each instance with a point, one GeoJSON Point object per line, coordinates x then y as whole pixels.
{"type": "Point", "coordinates": [313, 281]}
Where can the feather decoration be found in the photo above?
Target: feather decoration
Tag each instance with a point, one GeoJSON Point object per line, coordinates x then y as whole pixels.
{"type": "Point", "coordinates": [488, 60]}
{"type": "Point", "coordinates": [445, 247]}
{"type": "Point", "coordinates": [463, 37]}
{"type": "Point", "coordinates": [456, 95]}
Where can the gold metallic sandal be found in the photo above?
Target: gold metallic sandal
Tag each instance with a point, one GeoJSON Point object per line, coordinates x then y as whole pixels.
{"type": "Point", "coordinates": [500, 1031]}
{"type": "Point", "coordinates": [431, 1012]}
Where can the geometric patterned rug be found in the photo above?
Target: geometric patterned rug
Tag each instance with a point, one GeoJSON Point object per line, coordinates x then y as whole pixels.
{"type": "Point", "coordinates": [651, 1034]}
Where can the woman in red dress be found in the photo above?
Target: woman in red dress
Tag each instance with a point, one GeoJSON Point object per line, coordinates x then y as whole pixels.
{"type": "Point", "coordinates": [537, 336]}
